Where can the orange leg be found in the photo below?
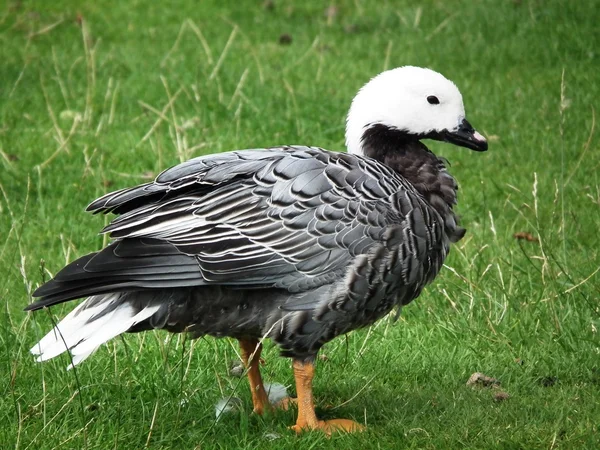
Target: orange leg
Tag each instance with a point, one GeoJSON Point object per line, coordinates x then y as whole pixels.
{"type": "Point", "coordinates": [251, 349]}
{"type": "Point", "coordinates": [304, 373]}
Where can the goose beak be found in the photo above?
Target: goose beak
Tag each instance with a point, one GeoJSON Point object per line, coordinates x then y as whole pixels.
{"type": "Point", "coordinates": [465, 136]}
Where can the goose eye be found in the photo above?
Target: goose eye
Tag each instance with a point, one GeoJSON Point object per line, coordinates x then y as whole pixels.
{"type": "Point", "coordinates": [433, 100]}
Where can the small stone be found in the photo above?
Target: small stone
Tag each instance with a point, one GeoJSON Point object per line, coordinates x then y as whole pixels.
{"type": "Point", "coordinates": [272, 436]}
{"type": "Point", "coordinates": [276, 392]}
{"type": "Point", "coordinates": [228, 405]}
{"type": "Point", "coordinates": [480, 380]}
{"type": "Point", "coordinates": [236, 368]}
{"type": "Point", "coordinates": [500, 396]}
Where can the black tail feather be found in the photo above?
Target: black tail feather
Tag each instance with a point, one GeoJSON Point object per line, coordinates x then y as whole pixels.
{"type": "Point", "coordinates": [126, 265]}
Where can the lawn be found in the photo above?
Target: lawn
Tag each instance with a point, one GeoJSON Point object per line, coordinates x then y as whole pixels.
{"type": "Point", "coordinates": [98, 96]}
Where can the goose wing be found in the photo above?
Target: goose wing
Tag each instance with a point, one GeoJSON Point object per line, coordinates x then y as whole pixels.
{"type": "Point", "coordinates": [289, 217]}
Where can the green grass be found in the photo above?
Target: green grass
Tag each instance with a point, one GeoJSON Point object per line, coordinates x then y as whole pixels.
{"type": "Point", "coordinates": [95, 97]}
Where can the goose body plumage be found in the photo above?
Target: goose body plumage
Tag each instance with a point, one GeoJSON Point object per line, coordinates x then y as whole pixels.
{"type": "Point", "coordinates": [296, 244]}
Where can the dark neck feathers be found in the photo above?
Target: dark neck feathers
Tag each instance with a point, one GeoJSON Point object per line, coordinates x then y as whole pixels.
{"type": "Point", "coordinates": [404, 153]}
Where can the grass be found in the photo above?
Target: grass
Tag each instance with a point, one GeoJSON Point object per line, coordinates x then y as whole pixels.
{"type": "Point", "coordinates": [99, 96]}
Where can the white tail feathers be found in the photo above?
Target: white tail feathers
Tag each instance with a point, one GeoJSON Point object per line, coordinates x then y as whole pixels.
{"type": "Point", "coordinates": [85, 328]}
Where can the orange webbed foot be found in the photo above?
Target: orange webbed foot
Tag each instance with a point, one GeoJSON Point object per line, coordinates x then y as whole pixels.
{"type": "Point", "coordinates": [331, 426]}
{"type": "Point", "coordinates": [304, 372]}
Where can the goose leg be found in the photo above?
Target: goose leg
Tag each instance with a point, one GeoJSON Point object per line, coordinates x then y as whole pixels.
{"type": "Point", "coordinates": [304, 373]}
{"type": "Point", "coordinates": [251, 350]}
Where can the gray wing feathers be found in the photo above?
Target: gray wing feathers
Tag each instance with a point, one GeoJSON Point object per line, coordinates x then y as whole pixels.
{"type": "Point", "coordinates": [291, 217]}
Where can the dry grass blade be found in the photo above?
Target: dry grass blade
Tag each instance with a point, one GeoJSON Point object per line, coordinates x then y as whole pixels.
{"type": "Point", "coordinates": [443, 24]}
{"type": "Point", "coordinates": [175, 44]}
{"type": "Point", "coordinates": [586, 147]}
{"type": "Point", "coordinates": [151, 425]}
{"type": "Point", "coordinates": [59, 133]}
{"type": "Point", "coordinates": [180, 139]}
{"type": "Point", "coordinates": [46, 29]}
{"type": "Point", "coordinates": [418, 15]}
{"type": "Point", "coordinates": [223, 53]}
{"type": "Point", "coordinates": [161, 117]}
{"type": "Point", "coordinates": [313, 47]}
{"type": "Point", "coordinates": [64, 143]}
{"type": "Point", "coordinates": [54, 417]}
{"type": "Point", "coordinates": [17, 81]}
{"type": "Point", "coordinates": [238, 88]}
{"type": "Point", "coordinates": [7, 160]}
{"type": "Point", "coordinates": [90, 61]}
{"type": "Point", "coordinates": [59, 79]}
{"type": "Point", "coordinates": [388, 55]}
{"type": "Point", "coordinates": [364, 386]}
{"type": "Point", "coordinates": [207, 51]}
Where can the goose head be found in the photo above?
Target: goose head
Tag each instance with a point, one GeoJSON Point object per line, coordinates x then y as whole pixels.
{"type": "Point", "coordinates": [410, 103]}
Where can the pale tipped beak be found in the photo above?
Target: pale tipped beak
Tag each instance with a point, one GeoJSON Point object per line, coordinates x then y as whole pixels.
{"type": "Point", "coordinates": [465, 136]}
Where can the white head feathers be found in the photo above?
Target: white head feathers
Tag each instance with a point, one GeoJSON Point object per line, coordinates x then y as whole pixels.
{"type": "Point", "coordinates": [411, 99]}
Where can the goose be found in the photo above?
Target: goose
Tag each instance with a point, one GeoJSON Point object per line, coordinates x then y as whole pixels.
{"type": "Point", "coordinates": [293, 243]}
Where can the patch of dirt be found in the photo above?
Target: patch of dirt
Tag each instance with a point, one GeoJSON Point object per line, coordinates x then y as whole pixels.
{"type": "Point", "coordinates": [480, 380]}
{"type": "Point", "coordinates": [500, 396]}
{"type": "Point", "coordinates": [285, 39]}
{"type": "Point", "coordinates": [548, 381]}
{"type": "Point", "coordinates": [526, 236]}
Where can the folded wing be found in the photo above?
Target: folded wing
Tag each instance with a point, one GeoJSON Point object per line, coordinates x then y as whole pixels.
{"type": "Point", "coordinates": [291, 218]}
